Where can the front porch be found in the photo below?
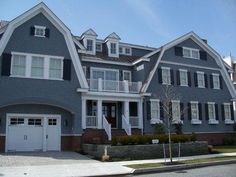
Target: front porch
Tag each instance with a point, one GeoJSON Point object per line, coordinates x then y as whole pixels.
{"type": "Point", "coordinates": [112, 115]}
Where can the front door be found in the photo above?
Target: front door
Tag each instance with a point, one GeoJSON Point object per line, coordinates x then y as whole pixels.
{"type": "Point", "coordinates": [109, 110]}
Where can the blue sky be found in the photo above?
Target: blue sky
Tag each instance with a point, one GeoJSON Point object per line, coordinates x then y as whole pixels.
{"type": "Point", "coordinates": [144, 22]}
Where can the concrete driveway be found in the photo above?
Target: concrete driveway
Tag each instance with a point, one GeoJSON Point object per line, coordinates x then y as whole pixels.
{"type": "Point", "coordinates": [43, 158]}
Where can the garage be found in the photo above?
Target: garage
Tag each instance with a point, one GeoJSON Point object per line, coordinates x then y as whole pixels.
{"type": "Point", "coordinates": [33, 132]}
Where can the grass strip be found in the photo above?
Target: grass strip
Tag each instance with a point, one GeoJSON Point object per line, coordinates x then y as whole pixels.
{"type": "Point", "coordinates": [223, 149]}
{"type": "Point", "coordinates": [195, 161]}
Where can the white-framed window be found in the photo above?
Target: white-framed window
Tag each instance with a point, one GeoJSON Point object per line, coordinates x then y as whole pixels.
{"type": "Point", "coordinates": [18, 66]}
{"type": "Point", "coordinates": [227, 113]}
{"type": "Point", "coordinates": [195, 113]}
{"type": "Point", "coordinates": [191, 53]}
{"type": "Point", "coordinates": [89, 45]}
{"type": "Point", "coordinates": [36, 66]}
{"type": "Point", "coordinates": [166, 75]}
{"type": "Point", "coordinates": [55, 68]}
{"type": "Point", "coordinates": [113, 48]}
{"type": "Point", "coordinates": [183, 76]}
{"type": "Point", "coordinates": [104, 74]}
{"type": "Point", "coordinates": [128, 51]}
{"type": "Point", "coordinates": [212, 113]}
{"type": "Point", "coordinates": [176, 111]}
{"type": "Point", "coordinates": [121, 49]}
{"type": "Point", "coordinates": [99, 47]}
{"type": "Point", "coordinates": [39, 31]}
{"type": "Point", "coordinates": [200, 79]}
{"type": "Point", "coordinates": [155, 111]}
{"type": "Point", "coordinates": [127, 75]}
{"type": "Point", "coordinates": [216, 81]}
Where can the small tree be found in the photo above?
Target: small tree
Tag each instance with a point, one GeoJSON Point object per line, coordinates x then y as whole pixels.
{"type": "Point", "coordinates": [178, 129]}
{"type": "Point", "coordinates": [169, 94]}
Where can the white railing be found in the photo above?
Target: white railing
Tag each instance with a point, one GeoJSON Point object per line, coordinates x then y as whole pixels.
{"type": "Point", "coordinates": [134, 121]}
{"type": "Point", "coordinates": [107, 127]}
{"type": "Point", "coordinates": [125, 125]}
{"type": "Point", "coordinates": [91, 121]}
{"type": "Point", "coordinates": [114, 86]}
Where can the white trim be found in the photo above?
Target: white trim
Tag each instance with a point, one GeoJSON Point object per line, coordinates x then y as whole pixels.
{"type": "Point", "coordinates": [194, 102]}
{"type": "Point", "coordinates": [130, 74]}
{"type": "Point", "coordinates": [140, 67]}
{"type": "Point", "coordinates": [78, 44]}
{"type": "Point", "coordinates": [205, 46]}
{"type": "Point", "coordinates": [99, 60]}
{"type": "Point", "coordinates": [189, 65]}
{"type": "Point", "coordinates": [140, 60]}
{"type": "Point", "coordinates": [42, 8]}
{"type": "Point", "coordinates": [191, 53]}
{"type": "Point", "coordinates": [36, 27]}
{"type": "Point", "coordinates": [103, 69]}
{"type": "Point", "coordinates": [26, 115]}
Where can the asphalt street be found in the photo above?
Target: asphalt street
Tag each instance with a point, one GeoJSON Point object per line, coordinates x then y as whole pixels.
{"type": "Point", "coordinates": [213, 171]}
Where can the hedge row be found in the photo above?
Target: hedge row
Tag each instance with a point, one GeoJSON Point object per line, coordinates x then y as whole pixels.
{"type": "Point", "coordinates": [147, 139]}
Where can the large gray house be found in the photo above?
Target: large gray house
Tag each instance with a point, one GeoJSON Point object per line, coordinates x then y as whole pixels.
{"type": "Point", "coordinates": [58, 90]}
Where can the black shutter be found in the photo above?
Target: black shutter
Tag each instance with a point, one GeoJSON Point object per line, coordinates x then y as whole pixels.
{"type": "Point", "coordinates": [182, 111]}
{"type": "Point", "coordinates": [203, 55]}
{"type": "Point", "coordinates": [216, 112]}
{"type": "Point", "coordinates": [223, 111]}
{"type": "Point", "coordinates": [221, 82]}
{"type": "Point", "coordinates": [178, 51]}
{"type": "Point", "coordinates": [67, 69]}
{"type": "Point", "coordinates": [211, 81]}
{"type": "Point", "coordinates": [148, 106]}
{"type": "Point", "coordinates": [189, 79]}
{"type": "Point", "coordinates": [195, 80]}
{"type": "Point", "coordinates": [206, 81]}
{"type": "Point", "coordinates": [161, 111]}
{"type": "Point", "coordinates": [172, 77]}
{"type": "Point", "coordinates": [189, 111]}
{"type": "Point", "coordinates": [32, 30]}
{"type": "Point", "coordinates": [178, 77]}
{"type": "Point", "coordinates": [170, 109]}
{"type": "Point", "coordinates": [6, 64]}
{"type": "Point", "coordinates": [200, 111]}
{"type": "Point", "coordinates": [88, 72]}
{"type": "Point", "coordinates": [206, 111]}
{"type": "Point", "coordinates": [47, 32]}
{"type": "Point", "coordinates": [232, 112]}
{"type": "Point", "coordinates": [160, 75]}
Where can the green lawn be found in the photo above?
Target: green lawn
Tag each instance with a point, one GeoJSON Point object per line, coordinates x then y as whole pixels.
{"type": "Point", "coordinates": [223, 149]}
{"type": "Point", "coordinates": [197, 161]}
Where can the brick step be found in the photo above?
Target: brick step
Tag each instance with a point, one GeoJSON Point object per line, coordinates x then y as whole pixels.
{"type": "Point", "coordinates": [118, 132]}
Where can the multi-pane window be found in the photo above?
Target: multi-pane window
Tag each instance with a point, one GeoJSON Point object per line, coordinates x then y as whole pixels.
{"type": "Point", "coordinates": [166, 75]}
{"type": "Point", "coordinates": [191, 53]}
{"type": "Point", "coordinates": [18, 65]}
{"type": "Point", "coordinates": [98, 47]}
{"type": "Point", "coordinates": [183, 75]}
{"type": "Point", "coordinates": [194, 111]}
{"type": "Point", "coordinates": [175, 111]}
{"type": "Point", "coordinates": [55, 68]}
{"type": "Point", "coordinates": [227, 111]}
{"type": "Point", "coordinates": [121, 50]}
{"type": "Point", "coordinates": [200, 79]}
{"type": "Point", "coordinates": [211, 111]}
{"type": "Point", "coordinates": [127, 76]}
{"type": "Point", "coordinates": [127, 51]}
{"type": "Point", "coordinates": [216, 81]}
{"type": "Point", "coordinates": [39, 31]}
{"type": "Point", "coordinates": [155, 111]}
{"type": "Point", "coordinates": [113, 48]}
{"type": "Point", "coordinates": [37, 67]}
{"type": "Point", "coordinates": [89, 45]}
{"type": "Point", "coordinates": [104, 74]}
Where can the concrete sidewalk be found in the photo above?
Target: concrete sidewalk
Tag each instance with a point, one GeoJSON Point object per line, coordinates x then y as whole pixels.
{"type": "Point", "coordinates": [87, 169]}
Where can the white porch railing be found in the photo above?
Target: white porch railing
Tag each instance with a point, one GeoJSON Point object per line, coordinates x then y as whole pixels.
{"type": "Point", "coordinates": [107, 127]}
{"type": "Point", "coordinates": [125, 125]}
{"type": "Point", "coordinates": [134, 121]}
{"type": "Point", "coordinates": [114, 86]}
{"type": "Point", "coordinates": [91, 121]}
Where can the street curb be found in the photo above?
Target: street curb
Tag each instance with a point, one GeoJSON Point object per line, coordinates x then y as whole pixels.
{"type": "Point", "coordinates": [181, 167]}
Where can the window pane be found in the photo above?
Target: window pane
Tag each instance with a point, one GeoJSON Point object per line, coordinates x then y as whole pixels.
{"type": "Point", "coordinates": [216, 82]}
{"type": "Point", "coordinates": [99, 47]}
{"type": "Point", "coordinates": [194, 111]}
{"type": "Point", "coordinates": [111, 75]}
{"type": "Point", "coordinates": [201, 80]}
{"type": "Point", "coordinates": [227, 111]}
{"type": "Point", "coordinates": [127, 50]}
{"type": "Point", "coordinates": [127, 76]}
{"type": "Point", "coordinates": [90, 45]}
{"type": "Point", "coordinates": [186, 53]}
{"type": "Point", "coordinates": [18, 65]}
{"type": "Point", "coordinates": [211, 111]}
{"type": "Point", "coordinates": [37, 66]}
{"type": "Point", "coordinates": [98, 74]}
{"type": "Point", "coordinates": [155, 110]}
{"type": "Point", "coordinates": [165, 76]}
{"type": "Point", "coordinates": [195, 54]}
{"type": "Point", "coordinates": [113, 48]}
{"type": "Point", "coordinates": [183, 78]}
{"type": "Point", "coordinates": [55, 68]}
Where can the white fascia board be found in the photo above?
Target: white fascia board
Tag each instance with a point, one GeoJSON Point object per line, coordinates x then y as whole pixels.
{"type": "Point", "coordinates": [41, 7]}
{"type": "Point", "coordinates": [78, 44]}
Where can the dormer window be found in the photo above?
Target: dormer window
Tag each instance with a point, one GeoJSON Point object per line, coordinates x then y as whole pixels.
{"type": "Point", "coordinates": [39, 31]}
{"type": "Point", "coordinates": [127, 51]}
{"type": "Point", "coordinates": [89, 45]}
{"type": "Point", "coordinates": [99, 47]}
{"type": "Point", "coordinates": [191, 53]}
{"type": "Point", "coordinates": [113, 48]}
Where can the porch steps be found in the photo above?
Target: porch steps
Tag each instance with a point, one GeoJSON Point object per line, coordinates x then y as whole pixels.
{"type": "Point", "coordinates": [118, 132]}
{"type": "Point", "coordinates": [94, 136]}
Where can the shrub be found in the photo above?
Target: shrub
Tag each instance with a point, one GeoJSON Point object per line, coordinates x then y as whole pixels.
{"type": "Point", "coordinates": [114, 141]}
{"type": "Point", "coordinates": [178, 129]}
{"type": "Point", "coordinates": [210, 148]}
{"type": "Point", "coordinates": [159, 129]}
{"type": "Point", "coordinates": [193, 137]}
{"type": "Point", "coordinates": [230, 140]}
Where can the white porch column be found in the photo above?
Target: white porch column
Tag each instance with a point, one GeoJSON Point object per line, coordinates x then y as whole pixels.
{"type": "Point", "coordinates": [99, 84]}
{"type": "Point", "coordinates": [84, 113]}
{"type": "Point", "coordinates": [99, 114]}
{"type": "Point", "coordinates": [140, 114]}
{"type": "Point", "coordinates": [126, 110]}
{"type": "Point", "coordinates": [44, 134]}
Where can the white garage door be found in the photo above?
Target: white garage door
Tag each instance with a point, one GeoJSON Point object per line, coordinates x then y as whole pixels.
{"type": "Point", "coordinates": [33, 133]}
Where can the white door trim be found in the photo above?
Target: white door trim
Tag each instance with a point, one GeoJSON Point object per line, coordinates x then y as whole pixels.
{"type": "Point", "coordinates": [44, 116]}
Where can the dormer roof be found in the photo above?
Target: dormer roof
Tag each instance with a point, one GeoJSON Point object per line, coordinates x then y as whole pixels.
{"type": "Point", "coordinates": [89, 32]}
{"type": "Point", "coordinates": [112, 36]}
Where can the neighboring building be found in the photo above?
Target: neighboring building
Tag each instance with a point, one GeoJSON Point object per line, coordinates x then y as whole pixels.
{"type": "Point", "coordinates": [58, 90]}
{"type": "Point", "coordinates": [230, 65]}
